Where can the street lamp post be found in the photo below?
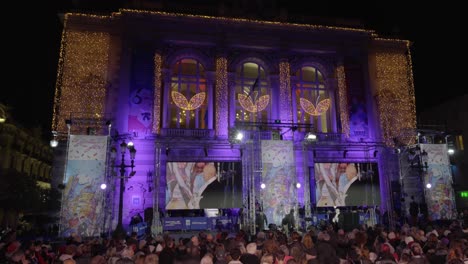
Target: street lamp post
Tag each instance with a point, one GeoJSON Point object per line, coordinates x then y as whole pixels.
{"type": "Point", "coordinates": [119, 230]}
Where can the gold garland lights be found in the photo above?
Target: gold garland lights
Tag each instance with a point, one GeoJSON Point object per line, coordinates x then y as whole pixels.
{"type": "Point", "coordinates": [285, 91]}
{"type": "Point", "coordinates": [81, 86]}
{"type": "Point", "coordinates": [157, 92]}
{"type": "Point", "coordinates": [253, 107]}
{"type": "Point", "coordinates": [395, 92]}
{"type": "Point", "coordinates": [221, 97]}
{"type": "Point", "coordinates": [313, 110]}
{"type": "Point", "coordinates": [343, 101]}
{"type": "Point", "coordinates": [181, 101]}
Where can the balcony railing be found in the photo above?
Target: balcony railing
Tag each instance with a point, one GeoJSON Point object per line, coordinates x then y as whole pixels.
{"type": "Point", "coordinates": [188, 133]}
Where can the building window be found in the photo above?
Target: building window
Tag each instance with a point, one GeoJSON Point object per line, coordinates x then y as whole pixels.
{"type": "Point", "coordinates": [252, 93]}
{"type": "Point", "coordinates": [312, 99]}
{"type": "Point", "coordinates": [188, 96]}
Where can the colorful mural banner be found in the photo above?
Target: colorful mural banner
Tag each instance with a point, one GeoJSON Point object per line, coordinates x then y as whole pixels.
{"type": "Point", "coordinates": [82, 201]}
{"type": "Point", "coordinates": [279, 177]}
{"type": "Point", "coordinates": [440, 198]}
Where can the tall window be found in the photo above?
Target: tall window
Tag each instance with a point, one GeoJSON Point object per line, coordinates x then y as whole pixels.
{"type": "Point", "coordinates": [188, 107]}
{"type": "Point", "coordinates": [312, 99]}
{"type": "Point", "coordinates": [252, 93]}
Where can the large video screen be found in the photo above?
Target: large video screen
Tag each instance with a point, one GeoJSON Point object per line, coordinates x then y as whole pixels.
{"type": "Point", "coordinates": [200, 185]}
{"type": "Point", "coordinates": [347, 184]}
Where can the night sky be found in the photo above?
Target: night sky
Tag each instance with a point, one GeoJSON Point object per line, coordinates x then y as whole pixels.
{"type": "Point", "coordinates": [33, 43]}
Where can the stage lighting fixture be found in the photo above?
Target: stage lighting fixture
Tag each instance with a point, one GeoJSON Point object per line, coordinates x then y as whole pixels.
{"type": "Point", "coordinates": [239, 135]}
{"type": "Point", "coordinates": [262, 186]}
{"type": "Point", "coordinates": [298, 185]}
{"type": "Point", "coordinates": [375, 153]}
{"type": "Point", "coordinates": [168, 150]}
{"type": "Point", "coordinates": [345, 153]}
{"type": "Point", "coordinates": [311, 137]}
{"type": "Point", "coordinates": [54, 142]}
{"type": "Point", "coordinates": [205, 150]}
{"type": "Point", "coordinates": [103, 186]}
{"type": "Point", "coordinates": [450, 151]}
{"type": "Point", "coordinates": [428, 186]}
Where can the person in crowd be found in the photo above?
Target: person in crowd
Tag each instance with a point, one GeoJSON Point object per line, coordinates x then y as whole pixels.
{"type": "Point", "coordinates": [288, 222]}
{"type": "Point", "coordinates": [261, 221]}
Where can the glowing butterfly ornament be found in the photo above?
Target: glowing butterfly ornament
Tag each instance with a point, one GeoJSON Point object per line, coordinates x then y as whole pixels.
{"type": "Point", "coordinates": [253, 106]}
{"type": "Point", "coordinates": [318, 110]}
{"type": "Point", "coordinates": [195, 102]}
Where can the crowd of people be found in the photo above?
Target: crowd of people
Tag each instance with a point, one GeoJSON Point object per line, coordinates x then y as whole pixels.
{"type": "Point", "coordinates": [433, 244]}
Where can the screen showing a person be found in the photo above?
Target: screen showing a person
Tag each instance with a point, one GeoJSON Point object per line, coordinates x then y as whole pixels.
{"type": "Point", "coordinates": [200, 185]}
{"type": "Point", "coordinates": [347, 184]}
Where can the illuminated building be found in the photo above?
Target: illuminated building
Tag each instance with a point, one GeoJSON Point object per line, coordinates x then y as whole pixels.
{"type": "Point", "coordinates": [181, 85]}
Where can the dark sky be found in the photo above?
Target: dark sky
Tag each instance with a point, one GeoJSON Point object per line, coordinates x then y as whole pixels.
{"type": "Point", "coordinates": [34, 41]}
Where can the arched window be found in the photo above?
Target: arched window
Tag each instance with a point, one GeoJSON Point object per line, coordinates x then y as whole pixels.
{"type": "Point", "coordinates": [312, 99]}
{"type": "Point", "coordinates": [252, 93]}
{"type": "Point", "coordinates": [188, 103]}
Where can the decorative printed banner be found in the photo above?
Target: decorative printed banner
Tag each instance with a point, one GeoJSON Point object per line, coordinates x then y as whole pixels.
{"type": "Point", "coordinates": [279, 176]}
{"type": "Point", "coordinates": [440, 197]}
{"type": "Point", "coordinates": [82, 212]}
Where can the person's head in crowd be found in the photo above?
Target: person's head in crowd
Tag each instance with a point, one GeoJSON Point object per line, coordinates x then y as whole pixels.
{"type": "Point", "coordinates": [251, 248]}
{"type": "Point", "coordinates": [235, 253]}
{"type": "Point", "coordinates": [152, 258]}
{"type": "Point", "coordinates": [298, 253]}
{"type": "Point", "coordinates": [207, 259]}
{"type": "Point", "coordinates": [307, 241]}
{"type": "Point", "coordinates": [98, 260]}
{"type": "Point", "coordinates": [267, 258]}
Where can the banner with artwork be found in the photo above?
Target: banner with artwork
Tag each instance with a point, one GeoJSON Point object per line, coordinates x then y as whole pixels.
{"type": "Point", "coordinates": [279, 177]}
{"type": "Point", "coordinates": [440, 198]}
{"type": "Point", "coordinates": [82, 202]}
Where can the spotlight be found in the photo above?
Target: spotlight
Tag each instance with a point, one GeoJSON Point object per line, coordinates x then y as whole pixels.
{"type": "Point", "coordinates": [108, 123]}
{"type": "Point", "coordinates": [345, 153]}
{"type": "Point", "coordinates": [262, 186]}
{"type": "Point", "coordinates": [311, 137]}
{"type": "Point", "coordinates": [54, 142]}
{"type": "Point", "coordinates": [130, 144]}
{"type": "Point", "coordinates": [103, 186]}
{"type": "Point", "coordinates": [298, 185]}
{"type": "Point", "coordinates": [375, 153]}
{"type": "Point", "coordinates": [239, 136]}
{"type": "Point", "coordinates": [428, 186]}
{"type": "Point", "coordinates": [167, 151]}
{"type": "Point", "coordinates": [450, 151]}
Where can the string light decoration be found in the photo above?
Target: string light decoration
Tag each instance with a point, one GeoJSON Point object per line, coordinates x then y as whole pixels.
{"type": "Point", "coordinates": [81, 86]}
{"type": "Point", "coordinates": [285, 91]}
{"type": "Point", "coordinates": [250, 106]}
{"type": "Point", "coordinates": [244, 20]}
{"type": "Point", "coordinates": [318, 110]}
{"type": "Point", "coordinates": [221, 96]}
{"type": "Point", "coordinates": [181, 101]}
{"type": "Point", "coordinates": [343, 100]}
{"type": "Point", "coordinates": [157, 92]}
{"type": "Point", "coordinates": [395, 96]}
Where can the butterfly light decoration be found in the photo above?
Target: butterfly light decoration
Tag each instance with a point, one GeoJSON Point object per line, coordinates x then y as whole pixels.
{"type": "Point", "coordinates": [253, 106]}
{"type": "Point", "coordinates": [320, 108]}
{"type": "Point", "coordinates": [181, 101]}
